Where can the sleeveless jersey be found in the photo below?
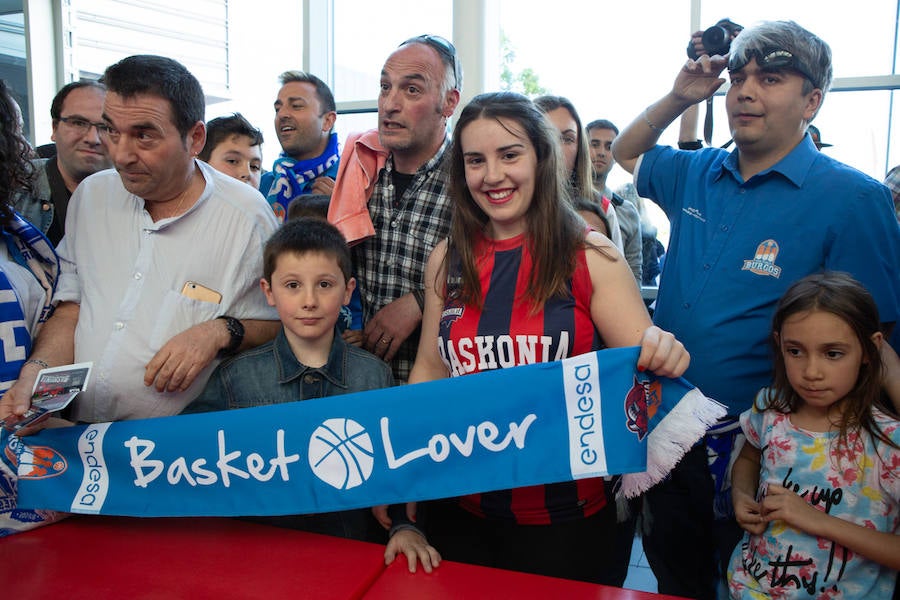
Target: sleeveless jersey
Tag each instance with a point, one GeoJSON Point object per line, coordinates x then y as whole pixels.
{"type": "Point", "coordinates": [505, 333]}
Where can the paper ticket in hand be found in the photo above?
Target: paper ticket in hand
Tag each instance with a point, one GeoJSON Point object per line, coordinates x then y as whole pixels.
{"type": "Point", "coordinates": [54, 389]}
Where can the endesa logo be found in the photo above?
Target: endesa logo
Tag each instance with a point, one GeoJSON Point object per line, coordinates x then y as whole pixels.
{"type": "Point", "coordinates": [587, 456]}
{"type": "Point", "coordinates": [95, 481]}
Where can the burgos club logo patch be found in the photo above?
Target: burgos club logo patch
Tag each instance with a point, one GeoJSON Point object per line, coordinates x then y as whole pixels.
{"type": "Point", "coordinates": [35, 462]}
{"type": "Point", "coordinates": [763, 263]}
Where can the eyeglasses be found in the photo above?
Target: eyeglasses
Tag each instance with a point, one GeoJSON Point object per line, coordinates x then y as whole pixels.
{"type": "Point", "coordinates": [443, 47]}
{"type": "Point", "coordinates": [83, 126]}
{"type": "Point", "coordinates": [772, 59]}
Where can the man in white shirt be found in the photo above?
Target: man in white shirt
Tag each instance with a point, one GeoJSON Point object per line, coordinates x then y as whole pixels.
{"type": "Point", "coordinates": [161, 261]}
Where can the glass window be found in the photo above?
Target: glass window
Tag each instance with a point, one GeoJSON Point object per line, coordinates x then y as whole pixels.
{"type": "Point", "coordinates": [366, 32]}
{"type": "Point", "coordinates": [196, 34]}
{"type": "Point", "coordinates": [13, 59]}
{"type": "Point", "coordinates": [609, 63]}
{"type": "Point", "coordinates": [860, 141]}
{"type": "Point", "coordinates": [861, 39]}
{"type": "Point", "coordinates": [348, 123]}
{"type": "Point", "coordinates": [893, 158]}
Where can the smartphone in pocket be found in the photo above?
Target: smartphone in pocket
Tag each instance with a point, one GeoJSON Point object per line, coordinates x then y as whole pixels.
{"type": "Point", "coordinates": [197, 291]}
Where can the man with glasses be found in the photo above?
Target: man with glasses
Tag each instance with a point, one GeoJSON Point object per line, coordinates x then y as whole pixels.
{"type": "Point", "coordinates": [304, 121]}
{"type": "Point", "coordinates": [75, 111]}
{"type": "Point", "coordinates": [392, 199]}
{"type": "Point", "coordinates": [161, 258]}
{"type": "Point", "coordinates": [745, 226]}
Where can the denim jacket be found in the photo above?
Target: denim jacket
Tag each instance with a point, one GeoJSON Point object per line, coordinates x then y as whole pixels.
{"type": "Point", "coordinates": [37, 207]}
{"type": "Point", "coordinates": [271, 374]}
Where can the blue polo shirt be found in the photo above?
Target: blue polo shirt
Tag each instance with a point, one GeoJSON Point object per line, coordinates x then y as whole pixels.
{"type": "Point", "coordinates": [736, 246]}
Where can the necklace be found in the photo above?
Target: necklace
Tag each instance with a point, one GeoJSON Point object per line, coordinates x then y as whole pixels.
{"type": "Point", "coordinates": [184, 194]}
{"type": "Point", "coordinates": [178, 208]}
{"type": "Point", "coordinates": [175, 212]}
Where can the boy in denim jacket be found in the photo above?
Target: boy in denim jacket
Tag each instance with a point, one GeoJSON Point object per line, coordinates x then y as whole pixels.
{"type": "Point", "coordinates": [306, 277]}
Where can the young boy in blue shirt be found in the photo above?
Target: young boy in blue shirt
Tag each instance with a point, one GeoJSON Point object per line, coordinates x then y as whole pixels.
{"type": "Point", "coordinates": [306, 277]}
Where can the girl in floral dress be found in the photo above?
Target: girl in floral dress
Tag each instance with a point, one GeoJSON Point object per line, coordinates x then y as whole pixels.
{"type": "Point", "coordinates": [817, 484]}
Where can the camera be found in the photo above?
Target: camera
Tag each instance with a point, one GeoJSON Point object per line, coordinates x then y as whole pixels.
{"type": "Point", "coordinates": [716, 39]}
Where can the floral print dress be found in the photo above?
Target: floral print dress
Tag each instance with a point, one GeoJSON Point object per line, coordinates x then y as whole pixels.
{"type": "Point", "coordinates": [858, 482]}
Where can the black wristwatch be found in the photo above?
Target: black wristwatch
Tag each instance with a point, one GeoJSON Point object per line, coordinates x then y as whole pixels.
{"type": "Point", "coordinates": [236, 330]}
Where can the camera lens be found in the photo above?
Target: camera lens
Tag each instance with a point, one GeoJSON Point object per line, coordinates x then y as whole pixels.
{"type": "Point", "coordinates": [716, 40]}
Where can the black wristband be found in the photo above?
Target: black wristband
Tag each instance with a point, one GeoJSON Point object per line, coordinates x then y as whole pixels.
{"type": "Point", "coordinates": [236, 330]}
{"type": "Point", "coordinates": [695, 145]}
{"type": "Point", "coordinates": [419, 295]}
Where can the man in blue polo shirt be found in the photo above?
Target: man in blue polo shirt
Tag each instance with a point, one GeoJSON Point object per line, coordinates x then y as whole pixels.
{"type": "Point", "coordinates": [745, 225]}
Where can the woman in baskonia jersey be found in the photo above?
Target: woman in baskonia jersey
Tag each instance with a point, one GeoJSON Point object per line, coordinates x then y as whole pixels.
{"type": "Point", "coordinates": [523, 279]}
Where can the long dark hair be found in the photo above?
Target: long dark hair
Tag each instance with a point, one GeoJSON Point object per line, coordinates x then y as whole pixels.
{"type": "Point", "coordinates": [16, 170]}
{"type": "Point", "coordinates": [581, 178]}
{"type": "Point", "coordinates": [555, 232]}
{"type": "Point", "coordinates": [844, 297]}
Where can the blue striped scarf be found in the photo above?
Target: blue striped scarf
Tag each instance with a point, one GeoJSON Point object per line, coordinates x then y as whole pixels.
{"type": "Point", "coordinates": [28, 247]}
{"type": "Point", "coordinates": [294, 178]}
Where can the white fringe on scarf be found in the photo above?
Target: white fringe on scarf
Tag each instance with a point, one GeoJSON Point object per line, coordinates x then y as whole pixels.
{"type": "Point", "coordinates": [669, 441]}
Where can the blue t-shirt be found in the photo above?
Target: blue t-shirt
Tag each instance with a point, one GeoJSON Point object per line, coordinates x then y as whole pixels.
{"type": "Point", "coordinates": [735, 247]}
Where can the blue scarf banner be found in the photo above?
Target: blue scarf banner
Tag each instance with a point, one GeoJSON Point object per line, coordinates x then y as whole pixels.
{"type": "Point", "coordinates": [585, 416]}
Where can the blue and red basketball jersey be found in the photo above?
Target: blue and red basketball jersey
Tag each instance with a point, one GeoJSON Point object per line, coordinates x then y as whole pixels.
{"type": "Point", "coordinates": [505, 332]}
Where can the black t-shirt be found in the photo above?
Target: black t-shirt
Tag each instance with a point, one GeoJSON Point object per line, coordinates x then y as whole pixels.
{"type": "Point", "coordinates": [401, 182]}
{"type": "Point", "coordinates": [60, 196]}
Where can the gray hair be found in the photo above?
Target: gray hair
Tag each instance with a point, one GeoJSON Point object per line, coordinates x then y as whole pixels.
{"type": "Point", "coordinates": [807, 48]}
{"type": "Point", "coordinates": [444, 48]}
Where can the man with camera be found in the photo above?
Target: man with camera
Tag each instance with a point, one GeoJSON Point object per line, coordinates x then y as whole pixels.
{"type": "Point", "coordinates": [745, 225]}
{"type": "Point", "coordinates": [714, 40]}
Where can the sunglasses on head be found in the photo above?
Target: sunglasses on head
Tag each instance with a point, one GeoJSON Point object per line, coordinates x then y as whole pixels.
{"type": "Point", "coordinates": [443, 47]}
{"type": "Point", "coordinates": [772, 59]}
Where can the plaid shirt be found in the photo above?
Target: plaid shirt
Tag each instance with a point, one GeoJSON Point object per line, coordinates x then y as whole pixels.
{"type": "Point", "coordinates": [893, 182]}
{"type": "Point", "coordinates": [392, 263]}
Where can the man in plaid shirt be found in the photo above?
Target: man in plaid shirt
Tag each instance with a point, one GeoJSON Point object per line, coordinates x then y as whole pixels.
{"type": "Point", "coordinates": [409, 205]}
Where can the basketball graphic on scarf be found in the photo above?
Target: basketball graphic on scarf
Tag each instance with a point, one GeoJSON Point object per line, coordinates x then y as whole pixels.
{"type": "Point", "coordinates": [340, 453]}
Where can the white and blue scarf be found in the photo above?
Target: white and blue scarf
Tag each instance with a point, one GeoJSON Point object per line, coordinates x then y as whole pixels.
{"type": "Point", "coordinates": [28, 247]}
{"type": "Point", "coordinates": [294, 178]}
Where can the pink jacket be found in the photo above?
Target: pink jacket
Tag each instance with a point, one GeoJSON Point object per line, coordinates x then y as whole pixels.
{"type": "Point", "coordinates": [361, 162]}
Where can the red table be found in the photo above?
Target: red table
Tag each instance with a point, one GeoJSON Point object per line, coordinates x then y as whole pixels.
{"type": "Point", "coordinates": [129, 558]}
{"type": "Point", "coordinates": [452, 581]}
{"type": "Point", "coordinates": [198, 558]}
